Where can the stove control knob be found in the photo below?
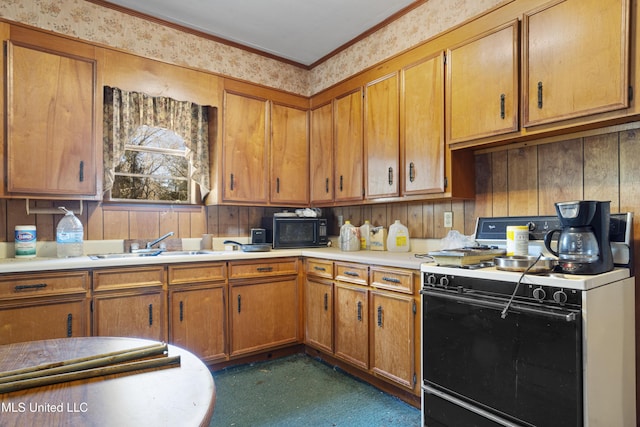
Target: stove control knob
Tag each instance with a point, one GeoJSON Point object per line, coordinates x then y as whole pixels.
{"type": "Point", "coordinates": [444, 281]}
{"type": "Point", "coordinates": [430, 279]}
{"type": "Point", "coordinates": [560, 297]}
{"type": "Point", "coordinates": [539, 294]}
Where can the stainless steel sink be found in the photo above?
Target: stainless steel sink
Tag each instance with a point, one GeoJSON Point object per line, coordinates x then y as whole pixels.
{"type": "Point", "coordinates": [154, 253]}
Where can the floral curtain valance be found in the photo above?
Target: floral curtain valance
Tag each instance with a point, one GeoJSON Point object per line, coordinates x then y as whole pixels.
{"type": "Point", "coordinates": [126, 111]}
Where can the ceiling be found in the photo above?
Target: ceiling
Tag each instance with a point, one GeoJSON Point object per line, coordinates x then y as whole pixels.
{"type": "Point", "coordinates": [300, 31]}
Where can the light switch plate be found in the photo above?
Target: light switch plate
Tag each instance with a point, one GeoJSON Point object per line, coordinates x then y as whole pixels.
{"type": "Point", "coordinates": [448, 219]}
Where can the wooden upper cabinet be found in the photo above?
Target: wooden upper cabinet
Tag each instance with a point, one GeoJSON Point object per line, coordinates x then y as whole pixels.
{"type": "Point", "coordinates": [381, 137]}
{"type": "Point", "coordinates": [422, 126]}
{"type": "Point", "coordinates": [482, 85]}
{"type": "Point", "coordinates": [289, 155]}
{"type": "Point", "coordinates": [576, 59]}
{"type": "Point", "coordinates": [245, 149]}
{"type": "Point", "coordinates": [52, 117]}
{"type": "Point", "coordinates": [321, 154]}
{"type": "Point", "coordinates": [348, 147]}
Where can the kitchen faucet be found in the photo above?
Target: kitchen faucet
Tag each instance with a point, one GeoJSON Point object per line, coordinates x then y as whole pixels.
{"type": "Point", "coordinates": [158, 240]}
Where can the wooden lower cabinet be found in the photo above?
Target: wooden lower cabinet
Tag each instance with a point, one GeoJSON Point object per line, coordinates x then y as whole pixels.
{"type": "Point", "coordinates": [392, 337]}
{"type": "Point", "coordinates": [38, 306]}
{"type": "Point", "coordinates": [352, 324]}
{"type": "Point", "coordinates": [130, 302]}
{"type": "Point", "coordinates": [318, 308]}
{"type": "Point", "coordinates": [197, 309]}
{"type": "Point", "coordinates": [263, 314]}
{"type": "Point", "coordinates": [139, 314]}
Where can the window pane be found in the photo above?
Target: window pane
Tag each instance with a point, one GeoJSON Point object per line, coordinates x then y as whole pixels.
{"type": "Point", "coordinates": [157, 137]}
{"type": "Point", "coordinates": [156, 164]}
{"type": "Point", "coordinates": [150, 188]}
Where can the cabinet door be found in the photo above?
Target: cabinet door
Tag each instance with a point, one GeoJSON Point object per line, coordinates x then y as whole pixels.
{"type": "Point", "coordinates": [197, 321]}
{"type": "Point", "coordinates": [245, 161]}
{"type": "Point", "coordinates": [51, 103]}
{"type": "Point", "coordinates": [348, 147]}
{"type": "Point", "coordinates": [321, 156]}
{"type": "Point", "coordinates": [382, 137]}
{"type": "Point", "coordinates": [393, 345]}
{"type": "Point", "coordinates": [44, 319]}
{"type": "Point", "coordinates": [482, 85]}
{"type": "Point", "coordinates": [422, 126]}
{"type": "Point", "coordinates": [352, 324]}
{"type": "Point", "coordinates": [289, 156]}
{"type": "Point", "coordinates": [139, 315]}
{"type": "Point", "coordinates": [576, 59]}
{"type": "Point", "coordinates": [263, 315]}
{"type": "Point", "coordinates": [318, 304]}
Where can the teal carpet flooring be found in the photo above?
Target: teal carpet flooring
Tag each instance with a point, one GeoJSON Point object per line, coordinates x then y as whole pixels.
{"type": "Point", "coordinates": [301, 391]}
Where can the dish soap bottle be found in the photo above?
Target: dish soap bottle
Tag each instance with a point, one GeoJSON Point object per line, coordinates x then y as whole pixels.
{"type": "Point", "coordinates": [398, 240]}
{"type": "Point", "coordinates": [69, 236]}
{"type": "Point", "coordinates": [365, 235]}
{"type": "Point", "coordinates": [349, 239]}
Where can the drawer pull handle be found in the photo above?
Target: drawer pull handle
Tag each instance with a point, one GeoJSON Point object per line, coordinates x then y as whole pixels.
{"type": "Point", "coordinates": [326, 301]}
{"type": "Point", "coordinates": [69, 325]}
{"type": "Point", "coordinates": [379, 316]}
{"type": "Point", "coordinates": [33, 287]}
{"type": "Point", "coordinates": [265, 269]}
{"type": "Point", "coordinates": [351, 273]}
{"type": "Point", "coordinates": [360, 311]}
{"type": "Point", "coordinates": [150, 314]}
{"type": "Point", "coordinates": [319, 268]}
{"type": "Point", "coordinates": [391, 279]}
{"type": "Point", "coordinates": [181, 311]}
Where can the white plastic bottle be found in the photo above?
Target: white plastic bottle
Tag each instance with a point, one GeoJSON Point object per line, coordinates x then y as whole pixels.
{"type": "Point", "coordinates": [349, 237]}
{"type": "Point", "coordinates": [69, 236]}
{"type": "Point", "coordinates": [365, 235]}
{"type": "Point", "coordinates": [398, 239]}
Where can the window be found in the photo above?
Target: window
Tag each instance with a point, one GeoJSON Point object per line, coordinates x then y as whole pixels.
{"type": "Point", "coordinates": [156, 148]}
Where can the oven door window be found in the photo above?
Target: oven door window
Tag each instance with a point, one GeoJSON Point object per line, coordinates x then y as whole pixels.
{"type": "Point", "coordinates": [525, 367]}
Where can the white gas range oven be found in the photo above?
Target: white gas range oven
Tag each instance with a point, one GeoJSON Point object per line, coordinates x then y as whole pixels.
{"type": "Point", "coordinates": [502, 348]}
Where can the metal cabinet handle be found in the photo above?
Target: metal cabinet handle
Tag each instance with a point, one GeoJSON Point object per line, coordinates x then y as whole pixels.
{"type": "Point", "coordinates": [239, 303]}
{"type": "Point", "coordinates": [539, 94]}
{"type": "Point", "coordinates": [277, 185]}
{"type": "Point", "coordinates": [390, 175]}
{"type": "Point", "coordinates": [502, 113]}
{"type": "Point", "coordinates": [341, 182]}
{"type": "Point", "coordinates": [181, 311]}
{"type": "Point", "coordinates": [150, 314]}
{"type": "Point", "coordinates": [360, 311]}
{"type": "Point", "coordinates": [391, 279]}
{"type": "Point", "coordinates": [326, 301]}
{"type": "Point", "coordinates": [351, 273]}
{"type": "Point", "coordinates": [81, 172]}
{"type": "Point", "coordinates": [264, 269]}
{"type": "Point", "coordinates": [326, 185]}
{"type": "Point", "coordinates": [317, 267]}
{"type": "Point", "coordinates": [69, 325]}
{"type": "Point", "coordinates": [412, 172]}
{"type": "Point", "coordinates": [380, 316]}
{"type": "Point", "coordinates": [33, 287]}
{"type": "Point", "coordinates": [231, 182]}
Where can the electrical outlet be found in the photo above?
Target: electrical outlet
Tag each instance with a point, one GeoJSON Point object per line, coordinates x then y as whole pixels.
{"type": "Point", "coordinates": [448, 219]}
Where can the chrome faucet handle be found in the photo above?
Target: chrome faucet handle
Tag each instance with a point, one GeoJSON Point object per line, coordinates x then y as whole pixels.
{"type": "Point", "coordinates": [158, 240]}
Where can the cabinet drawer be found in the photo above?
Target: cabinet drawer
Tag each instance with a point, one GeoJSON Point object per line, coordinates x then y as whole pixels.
{"type": "Point", "coordinates": [124, 278]}
{"type": "Point", "coordinates": [32, 285]}
{"type": "Point", "coordinates": [393, 279]}
{"type": "Point", "coordinates": [352, 273]}
{"type": "Point", "coordinates": [201, 272]}
{"type": "Point", "coordinates": [264, 267]}
{"type": "Point", "coordinates": [319, 267]}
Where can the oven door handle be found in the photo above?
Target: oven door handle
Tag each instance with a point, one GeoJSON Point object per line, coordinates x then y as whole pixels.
{"type": "Point", "coordinates": [565, 315]}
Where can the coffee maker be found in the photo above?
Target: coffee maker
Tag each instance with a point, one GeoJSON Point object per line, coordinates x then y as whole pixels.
{"type": "Point", "coordinates": [583, 243]}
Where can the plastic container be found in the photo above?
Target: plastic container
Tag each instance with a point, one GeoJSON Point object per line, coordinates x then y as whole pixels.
{"type": "Point", "coordinates": [25, 241]}
{"type": "Point", "coordinates": [365, 236]}
{"type": "Point", "coordinates": [349, 237]}
{"type": "Point", "coordinates": [69, 236]}
{"type": "Point", "coordinates": [398, 239]}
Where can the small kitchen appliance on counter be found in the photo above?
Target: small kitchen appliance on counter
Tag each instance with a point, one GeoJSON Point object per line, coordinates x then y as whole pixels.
{"type": "Point", "coordinates": [583, 243]}
{"type": "Point", "coordinates": [512, 348]}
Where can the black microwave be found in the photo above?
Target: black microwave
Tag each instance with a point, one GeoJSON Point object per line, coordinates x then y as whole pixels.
{"type": "Point", "coordinates": [285, 232]}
